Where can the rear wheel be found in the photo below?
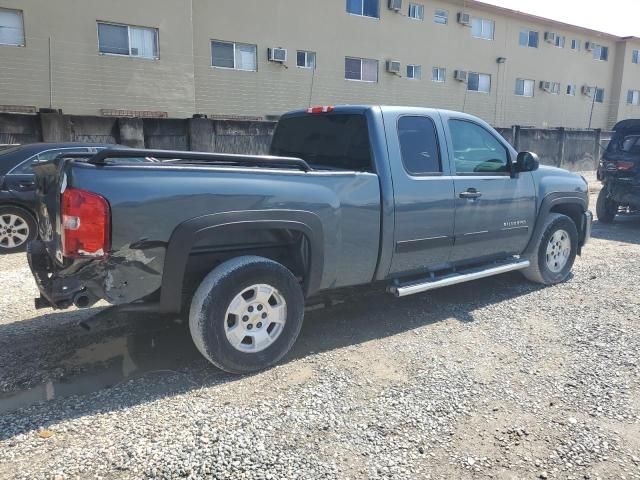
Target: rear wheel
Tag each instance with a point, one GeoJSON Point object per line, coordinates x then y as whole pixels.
{"type": "Point", "coordinates": [555, 251]}
{"type": "Point", "coordinates": [606, 208]}
{"type": "Point", "coordinates": [246, 314]}
{"type": "Point", "coordinates": [17, 228]}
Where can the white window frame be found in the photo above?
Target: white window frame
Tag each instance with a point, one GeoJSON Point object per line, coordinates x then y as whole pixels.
{"type": "Point", "coordinates": [633, 97]}
{"type": "Point", "coordinates": [129, 27]}
{"type": "Point", "coordinates": [576, 44]}
{"type": "Point", "coordinates": [529, 32]}
{"type": "Point", "coordinates": [437, 14]}
{"type": "Point", "coordinates": [361, 70]}
{"type": "Point", "coordinates": [362, 10]}
{"type": "Point", "coordinates": [484, 21]}
{"type": "Point", "coordinates": [21, 14]}
{"type": "Point", "coordinates": [235, 44]}
{"type": "Point", "coordinates": [306, 58]}
{"type": "Point", "coordinates": [597, 53]}
{"type": "Point", "coordinates": [487, 92]}
{"type": "Point", "coordinates": [436, 74]}
{"type": "Point", "coordinates": [555, 88]}
{"type": "Point", "coordinates": [413, 75]}
{"type": "Point", "coordinates": [635, 57]}
{"type": "Point", "coordinates": [418, 11]}
{"type": "Point", "coordinates": [525, 81]}
{"type": "Point", "coordinates": [561, 41]}
{"type": "Point", "coordinates": [571, 90]}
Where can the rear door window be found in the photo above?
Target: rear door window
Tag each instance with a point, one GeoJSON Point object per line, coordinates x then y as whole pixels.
{"type": "Point", "coordinates": [337, 141]}
{"type": "Point", "coordinates": [419, 145]}
{"type": "Point", "coordinates": [26, 168]}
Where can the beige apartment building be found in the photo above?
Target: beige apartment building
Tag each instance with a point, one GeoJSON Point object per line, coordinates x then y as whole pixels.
{"type": "Point", "coordinates": [260, 58]}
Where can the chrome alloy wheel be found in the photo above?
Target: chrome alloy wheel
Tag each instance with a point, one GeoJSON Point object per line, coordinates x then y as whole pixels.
{"type": "Point", "coordinates": [558, 250]}
{"type": "Point", "coordinates": [14, 231]}
{"type": "Point", "coordinates": [255, 318]}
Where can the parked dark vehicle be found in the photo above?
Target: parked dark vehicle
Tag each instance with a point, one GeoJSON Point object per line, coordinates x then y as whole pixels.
{"type": "Point", "coordinates": [411, 199]}
{"type": "Point", "coordinates": [17, 188]}
{"type": "Point", "coordinates": [619, 171]}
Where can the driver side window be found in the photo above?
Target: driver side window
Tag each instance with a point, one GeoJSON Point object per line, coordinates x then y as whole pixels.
{"type": "Point", "coordinates": [476, 151]}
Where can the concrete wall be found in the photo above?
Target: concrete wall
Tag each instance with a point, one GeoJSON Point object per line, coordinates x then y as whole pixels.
{"type": "Point", "coordinates": [576, 150]}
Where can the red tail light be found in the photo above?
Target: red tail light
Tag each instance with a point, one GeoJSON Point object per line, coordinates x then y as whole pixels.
{"type": "Point", "coordinates": [625, 165]}
{"type": "Point", "coordinates": [86, 224]}
{"type": "Point", "coordinates": [321, 109]}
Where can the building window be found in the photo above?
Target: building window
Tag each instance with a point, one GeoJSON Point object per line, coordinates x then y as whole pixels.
{"type": "Point", "coordinates": [140, 42]}
{"type": "Point", "coordinates": [524, 88]}
{"type": "Point", "coordinates": [571, 90]}
{"type": "Point", "coordinates": [635, 56]}
{"type": "Point", "coordinates": [306, 59]}
{"type": "Point", "coordinates": [482, 28]}
{"type": "Point", "coordinates": [364, 8]}
{"type": "Point", "coordinates": [438, 74]}
{"type": "Point", "coordinates": [528, 39]}
{"type": "Point", "coordinates": [599, 95]}
{"type": "Point", "coordinates": [362, 69]}
{"type": "Point", "coordinates": [479, 82]}
{"type": "Point", "coordinates": [601, 53]}
{"type": "Point", "coordinates": [11, 27]}
{"type": "Point", "coordinates": [414, 71]}
{"type": "Point", "coordinates": [633, 97]}
{"type": "Point", "coordinates": [441, 17]}
{"type": "Point", "coordinates": [236, 56]}
{"type": "Point", "coordinates": [416, 11]}
{"type": "Point", "coordinates": [575, 44]}
{"type": "Point", "coordinates": [560, 41]}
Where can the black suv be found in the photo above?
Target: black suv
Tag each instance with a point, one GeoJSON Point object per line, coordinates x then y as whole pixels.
{"type": "Point", "coordinates": [619, 171]}
{"type": "Point", "coordinates": [17, 188]}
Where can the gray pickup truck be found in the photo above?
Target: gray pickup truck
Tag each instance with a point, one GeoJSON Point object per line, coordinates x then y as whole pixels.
{"type": "Point", "coordinates": [410, 199]}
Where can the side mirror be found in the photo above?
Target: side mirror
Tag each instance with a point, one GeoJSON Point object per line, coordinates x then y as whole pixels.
{"type": "Point", "coordinates": [527, 162]}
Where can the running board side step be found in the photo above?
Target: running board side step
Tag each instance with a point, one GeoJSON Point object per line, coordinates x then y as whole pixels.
{"type": "Point", "coordinates": [455, 278]}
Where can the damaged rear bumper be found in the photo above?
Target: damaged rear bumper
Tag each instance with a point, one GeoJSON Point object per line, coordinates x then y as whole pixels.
{"type": "Point", "coordinates": [55, 292]}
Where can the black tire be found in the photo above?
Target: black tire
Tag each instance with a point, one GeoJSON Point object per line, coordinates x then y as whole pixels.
{"type": "Point", "coordinates": [24, 229]}
{"type": "Point", "coordinates": [606, 208]}
{"type": "Point", "coordinates": [539, 271]}
{"type": "Point", "coordinates": [213, 297]}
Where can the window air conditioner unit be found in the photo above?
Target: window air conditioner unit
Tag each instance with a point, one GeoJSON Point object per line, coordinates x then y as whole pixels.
{"type": "Point", "coordinates": [550, 37]}
{"type": "Point", "coordinates": [461, 75]}
{"type": "Point", "coordinates": [588, 46]}
{"type": "Point", "coordinates": [395, 5]}
{"type": "Point", "coordinates": [546, 86]}
{"type": "Point", "coordinates": [586, 90]}
{"type": "Point", "coordinates": [464, 19]}
{"type": "Point", "coordinates": [393, 66]}
{"type": "Point", "coordinates": [277, 55]}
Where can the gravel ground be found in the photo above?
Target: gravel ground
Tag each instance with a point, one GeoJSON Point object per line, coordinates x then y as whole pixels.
{"type": "Point", "coordinates": [494, 379]}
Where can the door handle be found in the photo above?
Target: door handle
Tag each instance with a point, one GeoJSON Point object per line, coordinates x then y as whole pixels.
{"type": "Point", "coordinates": [470, 194]}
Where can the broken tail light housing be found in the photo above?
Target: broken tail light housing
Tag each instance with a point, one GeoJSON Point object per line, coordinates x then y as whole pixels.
{"type": "Point", "coordinates": [86, 224]}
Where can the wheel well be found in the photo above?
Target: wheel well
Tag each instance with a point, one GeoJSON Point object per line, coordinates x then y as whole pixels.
{"type": "Point", "coordinates": [20, 207]}
{"type": "Point", "coordinates": [571, 210]}
{"type": "Point", "coordinates": [290, 248]}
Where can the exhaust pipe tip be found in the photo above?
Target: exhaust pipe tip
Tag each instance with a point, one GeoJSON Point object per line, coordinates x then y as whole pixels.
{"type": "Point", "coordinates": [83, 300]}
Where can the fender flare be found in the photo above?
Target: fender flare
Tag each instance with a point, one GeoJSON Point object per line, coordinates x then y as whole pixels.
{"type": "Point", "coordinates": [187, 234]}
{"type": "Point", "coordinates": [550, 201]}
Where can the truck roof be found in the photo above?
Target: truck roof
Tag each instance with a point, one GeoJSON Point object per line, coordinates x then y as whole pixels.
{"type": "Point", "coordinates": [383, 109]}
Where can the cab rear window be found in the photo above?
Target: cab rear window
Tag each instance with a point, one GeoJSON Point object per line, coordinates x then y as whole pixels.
{"type": "Point", "coordinates": [336, 141]}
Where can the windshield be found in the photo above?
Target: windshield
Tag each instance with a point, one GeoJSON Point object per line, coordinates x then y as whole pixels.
{"type": "Point", "coordinates": [335, 142]}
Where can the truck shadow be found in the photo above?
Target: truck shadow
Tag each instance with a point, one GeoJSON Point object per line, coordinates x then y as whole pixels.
{"type": "Point", "coordinates": [50, 358]}
{"type": "Point", "coordinates": [625, 228]}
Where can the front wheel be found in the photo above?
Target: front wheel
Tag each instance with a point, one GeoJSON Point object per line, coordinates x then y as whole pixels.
{"type": "Point", "coordinates": [17, 228]}
{"type": "Point", "coordinates": [606, 208]}
{"type": "Point", "coordinates": [555, 251]}
{"type": "Point", "coordinates": [246, 314]}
